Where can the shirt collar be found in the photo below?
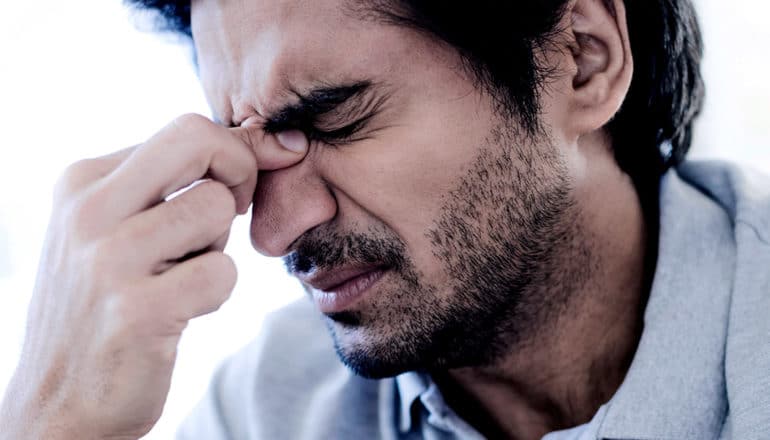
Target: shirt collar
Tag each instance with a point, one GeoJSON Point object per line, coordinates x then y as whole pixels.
{"type": "Point", "coordinates": [675, 387]}
{"type": "Point", "coordinates": [411, 386]}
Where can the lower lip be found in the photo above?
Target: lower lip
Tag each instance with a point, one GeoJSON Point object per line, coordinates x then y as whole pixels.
{"type": "Point", "coordinates": [347, 293]}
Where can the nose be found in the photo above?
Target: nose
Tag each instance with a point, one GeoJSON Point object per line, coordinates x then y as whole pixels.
{"type": "Point", "coordinates": [287, 203]}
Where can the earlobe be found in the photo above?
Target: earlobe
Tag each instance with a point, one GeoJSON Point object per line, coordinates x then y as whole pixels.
{"type": "Point", "coordinates": [602, 57]}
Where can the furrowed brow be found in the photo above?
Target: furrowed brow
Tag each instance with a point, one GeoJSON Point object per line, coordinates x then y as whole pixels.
{"type": "Point", "coordinates": [313, 104]}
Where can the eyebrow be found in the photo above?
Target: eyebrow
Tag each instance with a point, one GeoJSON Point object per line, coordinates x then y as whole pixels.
{"type": "Point", "coordinates": [313, 104]}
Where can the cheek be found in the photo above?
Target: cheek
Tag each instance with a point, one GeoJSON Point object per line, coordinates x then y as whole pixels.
{"type": "Point", "coordinates": [402, 175]}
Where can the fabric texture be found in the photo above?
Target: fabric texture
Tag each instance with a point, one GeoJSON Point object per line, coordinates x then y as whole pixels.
{"type": "Point", "coordinates": [701, 370]}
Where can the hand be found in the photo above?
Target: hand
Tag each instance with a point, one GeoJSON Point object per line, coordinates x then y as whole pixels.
{"type": "Point", "coordinates": [123, 271]}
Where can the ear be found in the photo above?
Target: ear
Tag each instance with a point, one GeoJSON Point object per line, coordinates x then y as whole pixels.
{"type": "Point", "coordinates": [603, 65]}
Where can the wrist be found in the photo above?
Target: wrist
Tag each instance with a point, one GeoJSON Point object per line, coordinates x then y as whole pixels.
{"type": "Point", "coordinates": [26, 416]}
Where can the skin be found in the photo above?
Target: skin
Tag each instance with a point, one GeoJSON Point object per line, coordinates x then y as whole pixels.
{"type": "Point", "coordinates": [571, 333]}
{"type": "Point", "coordinates": [565, 343]}
{"type": "Point", "coordinates": [114, 291]}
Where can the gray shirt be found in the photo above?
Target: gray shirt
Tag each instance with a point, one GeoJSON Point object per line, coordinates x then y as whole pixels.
{"type": "Point", "coordinates": [701, 371]}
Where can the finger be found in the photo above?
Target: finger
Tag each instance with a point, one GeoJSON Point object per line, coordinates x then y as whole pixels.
{"type": "Point", "coordinates": [274, 151]}
{"type": "Point", "coordinates": [85, 172]}
{"type": "Point", "coordinates": [113, 160]}
{"type": "Point", "coordinates": [109, 162]}
{"type": "Point", "coordinates": [218, 246]}
{"type": "Point", "coordinates": [195, 220]}
{"type": "Point", "coordinates": [188, 149]}
{"type": "Point", "coordinates": [195, 287]}
{"type": "Point", "coordinates": [221, 242]}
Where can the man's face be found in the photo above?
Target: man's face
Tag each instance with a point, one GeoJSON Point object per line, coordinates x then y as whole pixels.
{"type": "Point", "coordinates": [454, 227]}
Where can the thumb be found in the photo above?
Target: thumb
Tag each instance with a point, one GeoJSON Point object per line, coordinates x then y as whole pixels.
{"type": "Point", "coordinates": [275, 151]}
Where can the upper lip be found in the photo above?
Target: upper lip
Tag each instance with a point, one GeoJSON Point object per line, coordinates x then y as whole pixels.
{"type": "Point", "coordinates": [326, 280]}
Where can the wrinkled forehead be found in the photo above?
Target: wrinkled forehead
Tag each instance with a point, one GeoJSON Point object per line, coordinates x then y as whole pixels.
{"type": "Point", "coordinates": [257, 52]}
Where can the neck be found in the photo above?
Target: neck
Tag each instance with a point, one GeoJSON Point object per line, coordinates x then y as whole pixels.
{"type": "Point", "coordinates": [561, 377]}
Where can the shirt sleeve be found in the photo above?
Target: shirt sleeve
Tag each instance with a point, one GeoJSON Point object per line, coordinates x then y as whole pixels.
{"type": "Point", "coordinates": [282, 385]}
{"type": "Point", "coordinates": [207, 419]}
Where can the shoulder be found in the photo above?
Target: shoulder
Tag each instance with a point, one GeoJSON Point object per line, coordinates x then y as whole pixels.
{"type": "Point", "coordinates": [275, 386]}
{"type": "Point", "coordinates": [292, 354]}
{"type": "Point", "coordinates": [294, 335]}
{"type": "Point", "coordinates": [745, 196]}
{"type": "Point", "coordinates": [744, 193]}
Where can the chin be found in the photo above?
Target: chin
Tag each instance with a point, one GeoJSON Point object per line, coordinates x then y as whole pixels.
{"type": "Point", "coordinates": [370, 366]}
{"type": "Point", "coordinates": [370, 352]}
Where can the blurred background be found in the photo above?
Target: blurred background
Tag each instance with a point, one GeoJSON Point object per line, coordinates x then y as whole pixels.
{"type": "Point", "coordinates": [79, 80]}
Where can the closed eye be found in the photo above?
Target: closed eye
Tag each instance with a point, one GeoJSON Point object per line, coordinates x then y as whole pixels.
{"type": "Point", "coordinates": [336, 136]}
{"type": "Point", "coordinates": [322, 114]}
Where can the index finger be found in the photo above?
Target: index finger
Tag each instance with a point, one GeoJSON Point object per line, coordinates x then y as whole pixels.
{"type": "Point", "coordinates": [274, 151]}
{"type": "Point", "coordinates": [189, 149]}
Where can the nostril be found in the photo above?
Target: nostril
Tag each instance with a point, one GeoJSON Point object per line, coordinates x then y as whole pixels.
{"type": "Point", "coordinates": [296, 263]}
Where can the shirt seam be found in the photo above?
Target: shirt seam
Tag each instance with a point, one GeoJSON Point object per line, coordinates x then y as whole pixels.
{"type": "Point", "coordinates": [755, 229]}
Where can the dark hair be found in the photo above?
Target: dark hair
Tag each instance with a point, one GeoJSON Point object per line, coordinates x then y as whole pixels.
{"type": "Point", "coordinates": [499, 41]}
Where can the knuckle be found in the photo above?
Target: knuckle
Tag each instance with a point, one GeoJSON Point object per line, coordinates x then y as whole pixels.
{"type": "Point", "coordinates": [191, 122]}
{"type": "Point", "coordinates": [215, 201]}
{"type": "Point", "coordinates": [83, 208]}
{"type": "Point", "coordinates": [116, 308]}
{"type": "Point", "coordinates": [222, 198]}
{"type": "Point", "coordinates": [84, 214]}
{"type": "Point", "coordinates": [74, 177]}
{"type": "Point", "coordinates": [208, 283]}
{"type": "Point", "coordinates": [220, 274]}
{"type": "Point", "coordinates": [251, 139]}
{"type": "Point", "coordinates": [133, 234]}
{"type": "Point", "coordinates": [81, 167]}
{"type": "Point", "coordinates": [123, 317]}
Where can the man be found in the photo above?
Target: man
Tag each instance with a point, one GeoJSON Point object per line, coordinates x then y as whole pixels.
{"type": "Point", "coordinates": [486, 202]}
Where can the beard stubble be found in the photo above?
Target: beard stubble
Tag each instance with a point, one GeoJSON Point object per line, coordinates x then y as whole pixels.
{"type": "Point", "coordinates": [509, 242]}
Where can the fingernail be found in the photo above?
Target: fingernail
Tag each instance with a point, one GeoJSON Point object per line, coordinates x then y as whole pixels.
{"type": "Point", "coordinates": [293, 140]}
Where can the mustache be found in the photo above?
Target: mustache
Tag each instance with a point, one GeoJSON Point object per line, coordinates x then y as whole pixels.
{"type": "Point", "coordinates": [319, 249]}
